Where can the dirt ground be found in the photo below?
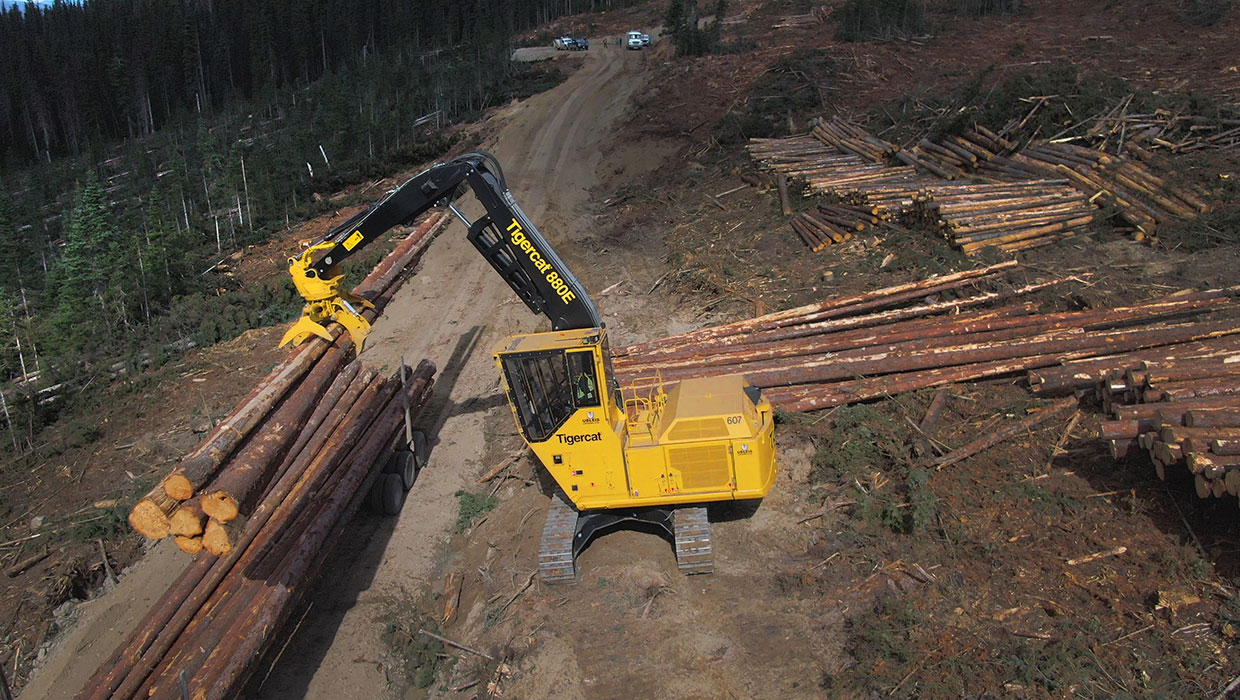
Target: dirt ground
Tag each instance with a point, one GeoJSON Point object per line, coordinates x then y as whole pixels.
{"type": "Point", "coordinates": [863, 574]}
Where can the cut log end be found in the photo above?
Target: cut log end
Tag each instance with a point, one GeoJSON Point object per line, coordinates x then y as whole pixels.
{"type": "Point", "coordinates": [218, 537]}
{"type": "Point", "coordinates": [178, 486]}
{"type": "Point", "coordinates": [220, 506]}
{"type": "Point", "coordinates": [189, 545]}
{"type": "Point", "coordinates": [150, 515]}
{"type": "Point", "coordinates": [188, 519]}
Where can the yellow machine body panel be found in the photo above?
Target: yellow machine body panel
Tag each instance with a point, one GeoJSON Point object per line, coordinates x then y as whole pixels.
{"type": "Point", "coordinates": [707, 439]}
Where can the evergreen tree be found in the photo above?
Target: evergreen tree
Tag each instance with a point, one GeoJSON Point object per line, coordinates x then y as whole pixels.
{"type": "Point", "coordinates": [84, 274]}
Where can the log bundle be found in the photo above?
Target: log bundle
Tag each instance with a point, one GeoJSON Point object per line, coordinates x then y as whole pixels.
{"type": "Point", "coordinates": [796, 155]}
{"type": "Point", "coordinates": [1080, 377]}
{"type": "Point", "coordinates": [225, 475]}
{"type": "Point", "coordinates": [1184, 412]}
{"type": "Point", "coordinates": [907, 337]}
{"type": "Point", "coordinates": [215, 622]}
{"type": "Point", "coordinates": [953, 157]}
{"type": "Point", "coordinates": [1129, 187]}
{"type": "Point", "coordinates": [1009, 216]}
{"type": "Point", "coordinates": [828, 224]}
{"type": "Point", "coordinates": [266, 497]}
{"type": "Point", "coordinates": [850, 138]}
{"type": "Point", "coordinates": [851, 177]}
{"type": "Point", "coordinates": [816, 15]}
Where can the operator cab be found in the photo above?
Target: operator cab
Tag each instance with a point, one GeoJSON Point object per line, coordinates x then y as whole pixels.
{"type": "Point", "coordinates": [551, 376]}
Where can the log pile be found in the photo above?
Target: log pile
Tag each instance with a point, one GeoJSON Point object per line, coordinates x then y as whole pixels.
{"type": "Point", "coordinates": [900, 339]}
{"type": "Point", "coordinates": [842, 161]}
{"type": "Point", "coordinates": [1080, 377]}
{"type": "Point", "coordinates": [1009, 216]}
{"type": "Point", "coordinates": [827, 224]}
{"type": "Point", "coordinates": [227, 473]}
{"type": "Point", "coordinates": [216, 621]}
{"type": "Point", "coordinates": [796, 155]}
{"type": "Point", "coordinates": [1184, 412]}
{"type": "Point", "coordinates": [1136, 194]}
{"type": "Point", "coordinates": [816, 15]}
{"type": "Point", "coordinates": [952, 157]}
{"type": "Point", "coordinates": [267, 496]}
{"type": "Point", "coordinates": [844, 177]}
{"type": "Point", "coordinates": [850, 138]}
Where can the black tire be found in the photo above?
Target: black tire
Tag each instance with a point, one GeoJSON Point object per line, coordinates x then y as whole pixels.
{"type": "Point", "coordinates": [387, 495]}
{"type": "Point", "coordinates": [403, 464]}
{"type": "Point", "coordinates": [420, 448]}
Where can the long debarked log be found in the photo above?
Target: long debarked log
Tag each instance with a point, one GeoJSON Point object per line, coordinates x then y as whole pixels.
{"type": "Point", "coordinates": [795, 315]}
{"type": "Point", "coordinates": [790, 371]}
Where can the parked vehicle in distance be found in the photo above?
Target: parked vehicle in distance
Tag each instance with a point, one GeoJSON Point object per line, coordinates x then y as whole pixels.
{"type": "Point", "coordinates": [635, 40]}
{"type": "Point", "coordinates": [645, 40]}
{"type": "Point", "coordinates": [564, 43]}
{"type": "Point", "coordinates": [581, 44]}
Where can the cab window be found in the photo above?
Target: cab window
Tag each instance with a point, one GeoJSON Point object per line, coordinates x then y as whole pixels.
{"type": "Point", "coordinates": [539, 387]}
{"type": "Point", "coordinates": [584, 382]}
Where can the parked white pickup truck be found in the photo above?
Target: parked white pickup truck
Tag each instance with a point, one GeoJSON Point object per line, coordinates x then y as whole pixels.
{"type": "Point", "coordinates": [635, 40]}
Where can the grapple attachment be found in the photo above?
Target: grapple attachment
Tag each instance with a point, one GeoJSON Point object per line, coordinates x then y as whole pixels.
{"type": "Point", "coordinates": [325, 302]}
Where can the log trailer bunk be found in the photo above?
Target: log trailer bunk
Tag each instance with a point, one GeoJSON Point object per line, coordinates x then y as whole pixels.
{"type": "Point", "coordinates": [641, 453]}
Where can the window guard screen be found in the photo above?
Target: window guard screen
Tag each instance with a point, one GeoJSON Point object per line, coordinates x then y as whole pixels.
{"type": "Point", "coordinates": [539, 386]}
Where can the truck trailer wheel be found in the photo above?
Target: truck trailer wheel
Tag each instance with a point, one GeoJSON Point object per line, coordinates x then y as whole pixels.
{"type": "Point", "coordinates": [403, 463]}
{"type": "Point", "coordinates": [421, 452]}
{"type": "Point", "coordinates": [387, 494]}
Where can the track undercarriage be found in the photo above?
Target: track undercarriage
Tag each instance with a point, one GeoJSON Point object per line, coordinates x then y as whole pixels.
{"type": "Point", "coordinates": [568, 531]}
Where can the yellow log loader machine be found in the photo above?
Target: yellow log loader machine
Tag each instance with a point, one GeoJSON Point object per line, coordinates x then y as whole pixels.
{"type": "Point", "coordinates": [643, 452]}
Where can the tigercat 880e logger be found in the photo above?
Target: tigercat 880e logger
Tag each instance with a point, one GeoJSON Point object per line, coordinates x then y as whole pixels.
{"type": "Point", "coordinates": [643, 452]}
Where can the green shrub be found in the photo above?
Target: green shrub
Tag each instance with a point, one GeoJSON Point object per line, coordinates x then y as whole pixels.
{"type": "Point", "coordinates": [472, 506]}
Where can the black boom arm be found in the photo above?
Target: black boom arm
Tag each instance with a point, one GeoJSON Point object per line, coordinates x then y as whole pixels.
{"type": "Point", "coordinates": [504, 235]}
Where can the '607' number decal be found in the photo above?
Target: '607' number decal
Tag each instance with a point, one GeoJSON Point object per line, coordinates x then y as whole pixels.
{"type": "Point", "coordinates": [734, 420]}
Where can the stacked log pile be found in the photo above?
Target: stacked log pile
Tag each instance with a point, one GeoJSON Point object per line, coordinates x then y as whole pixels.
{"type": "Point", "coordinates": [834, 223]}
{"type": "Point", "coordinates": [266, 496]}
{"type": "Point", "coordinates": [796, 155]}
{"type": "Point", "coordinates": [1080, 377]}
{"type": "Point", "coordinates": [952, 157]}
{"type": "Point", "coordinates": [1009, 216]}
{"type": "Point", "coordinates": [219, 617]}
{"type": "Point", "coordinates": [842, 161]}
{"type": "Point", "coordinates": [844, 176]}
{"type": "Point", "coordinates": [850, 138]}
{"type": "Point", "coordinates": [1184, 412]}
{"type": "Point", "coordinates": [894, 340]}
{"type": "Point", "coordinates": [1137, 195]}
{"type": "Point", "coordinates": [816, 15]}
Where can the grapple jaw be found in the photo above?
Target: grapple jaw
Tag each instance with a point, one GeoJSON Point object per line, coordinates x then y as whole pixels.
{"type": "Point", "coordinates": [325, 302]}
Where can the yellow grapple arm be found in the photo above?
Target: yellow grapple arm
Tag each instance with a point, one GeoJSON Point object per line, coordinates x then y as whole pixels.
{"type": "Point", "coordinates": [505, 237]}
{"type": "Point", "coordinates": [325, 301]}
